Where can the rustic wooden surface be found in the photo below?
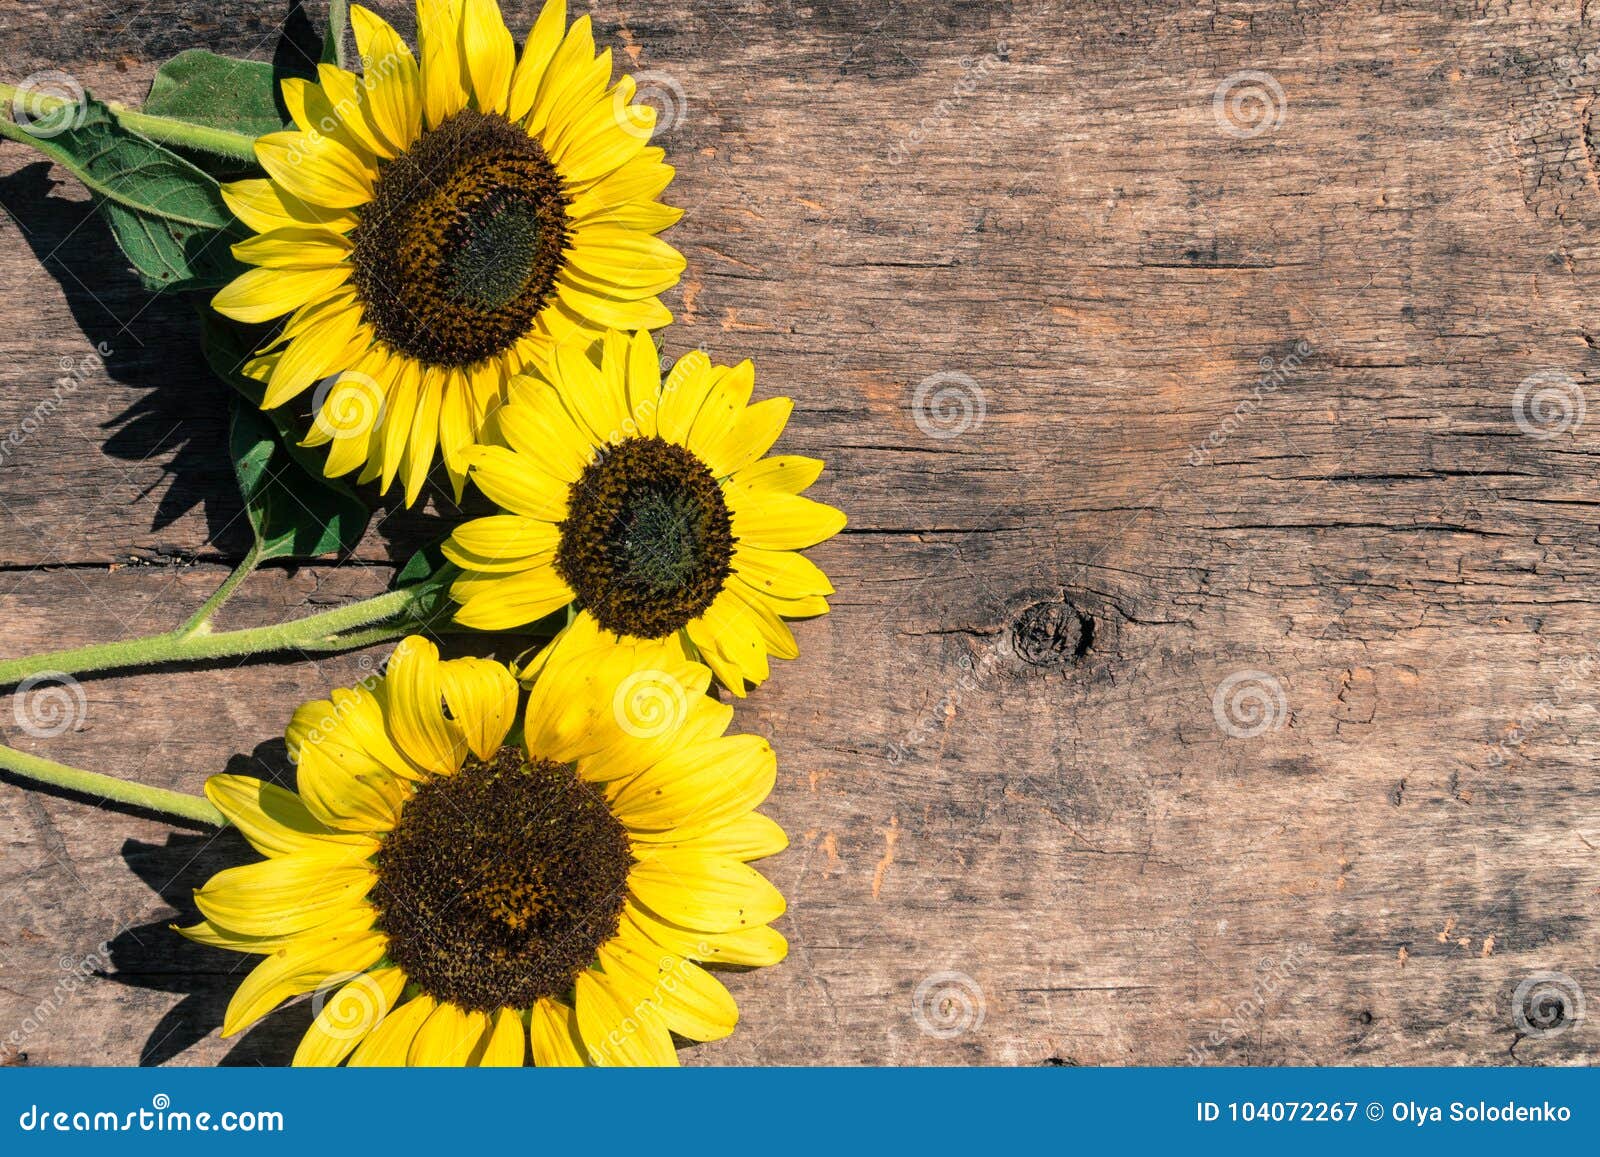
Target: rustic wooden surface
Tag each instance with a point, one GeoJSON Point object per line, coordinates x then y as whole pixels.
{"type": "Point", "coordinates": [1022, 834]}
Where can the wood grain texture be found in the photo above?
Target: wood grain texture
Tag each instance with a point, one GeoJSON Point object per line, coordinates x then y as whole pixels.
{"type": "Point", "coordinates": [1240, 405]}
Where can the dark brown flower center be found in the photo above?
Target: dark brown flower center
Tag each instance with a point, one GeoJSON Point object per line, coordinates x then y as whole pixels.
{"type": "Point", "coordinates": [500, 882]}
{"type": "Point", "coordinates": [647, 543]}
{"type": "Point", "coordinates": [459, 249]}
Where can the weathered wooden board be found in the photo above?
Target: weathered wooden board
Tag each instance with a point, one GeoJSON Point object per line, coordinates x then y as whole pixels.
{"type": "Point", "coordinates": [1230, 421]}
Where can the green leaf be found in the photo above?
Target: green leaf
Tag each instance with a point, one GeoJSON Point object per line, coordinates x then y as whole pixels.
{"type": "Point", "coordinates": [333, 39]}
{"type": "Point", "coordinates": [227, 346]}
{"type": "Point", "coordinates": [292, 513]}
{"type": "Point", "coordinates": [218, 92]}
{"type": "Point", "coordinates": [167, 215]}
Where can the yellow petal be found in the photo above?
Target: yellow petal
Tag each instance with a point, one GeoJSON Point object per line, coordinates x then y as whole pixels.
{"type": "Point", "coordinates": [681, 395]}
{"type": "Point", "coordinates": [754, 947]}
{"type": "Point", "coordinates": [424, 434]}
{"type": "Point", "coordinates": [259, 295]}
{"type": "Point", "coordinates": [287, 894]}
{"type": "Point", "coordinates": [398, 414]}
{"type": "Point", "coordinates": [392, 79]}
{"type": "Point", "coordinates": [730, 643]}
{"type": "Point", "coordinates": [482, 697]}
{"type": "Point", "coordinates": [348, 791]}
{"type": "Point", "coordinates": [786, 574]}
{"type": "Point", "coordinates": [776, 521]}
{"type": "Point", "coordinates": [539, 427]}
{"type": "Point", "coordinates": [537, 51]}
{"type": "Point", "coordinates": [504, 1045]}
{"type": "Point", "coordinates": [762, 611]}
{"type": "Point", "coordinates": [389, 1045]}
{"type": "Point", "coordinates": [616, 1030]}
{"type": "Point", "coordinates": [644, 383]}
{"type": "Point", "coordinates": [606, 258]}
{"type": "Point", "coordinates": [626, 310]}
{"type": "Point", "coordinates": [264, 207]}
{"type": "Point", "coordinates": [275, 821]}
{"type": "Point", "coordinates": [346, 1017]}
{"type": "Point", "coordinates": [698, 788]}
{"type": "Point", "coordinates": [698, 890]}
{"type": "Point", "coordinates": [719, 413]}
{"type": "Point", "coordinates": [502, 544]}
{"type": "Point", "coordinates": [414, 698]}
{"type": "Point", "coordinates": [750, 837]}
{"type": "Point", "coordinates": [292, 971]}
{"type": "Point", "coordinates": [490, 54]}
{"type": "Point", "coordinates": [317, 350]}
{"type": "Point", "coordinates": [501, 602]}
{"type": "Point", "coordinates": [573, 72]}
{"type": "Point", "coordinates": [444, 90]}
{"type": "Point", "coordinates": [347, 99]}
{"type": "Point", "coordinates": [553, 1033]}
{"type": "Point", "coordinates": [639, 182]}
{"type": "Point", "coordinates": [789, 474]}
{"type": "Point", "coordinates": [448, 1037]}
{"type": "Point", "coordinates": [751, 436]}
{"type": "Point", "coordinates": [515, 482]}
{"type": "Point", "coordinates": [691, 1001]}
{"type": "Point", "coordinates": [593, 397]}
{"type": "Point", "coordinates": [317, 169]}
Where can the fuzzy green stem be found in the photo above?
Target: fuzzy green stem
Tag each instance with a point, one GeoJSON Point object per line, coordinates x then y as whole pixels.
{"type": "Point", "coordinates": [340, 629]}
{"type": "Point", "coordinates": [200, 622]}
{"type": "Point", "coordinates": [179, 805]}
{"type": "Point", "coordinates": [162, 130]}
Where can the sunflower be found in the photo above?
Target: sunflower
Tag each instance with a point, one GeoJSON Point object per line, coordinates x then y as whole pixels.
{"type": "Point", "coordinates": [648, 506]}
{"type": "Point", "coordinates": [452, 898]}
{"type": "Point", "coordinates": [433, 229]}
